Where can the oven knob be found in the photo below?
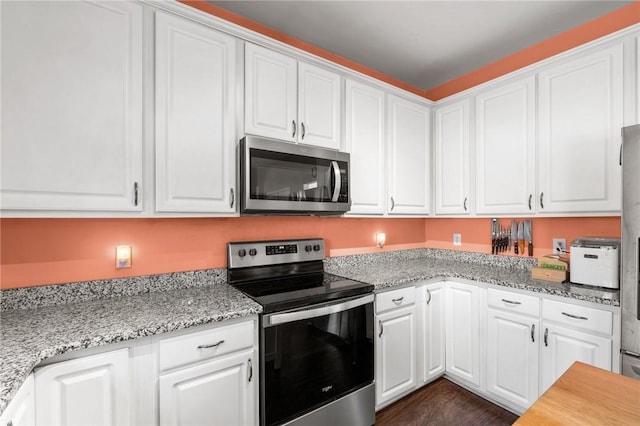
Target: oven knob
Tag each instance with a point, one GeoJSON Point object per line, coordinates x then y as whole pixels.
{"type": "Point", "coordinates": [242, 253]}
{"type": "Point", "coordinates": [316, 247]}
{"type": "Point", "coordinates": [308, 248]}
{"type": "Point", "coordinates": [253, 252]}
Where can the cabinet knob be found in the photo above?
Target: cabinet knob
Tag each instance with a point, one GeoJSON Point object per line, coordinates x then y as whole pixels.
{"type": "Point", "coordinates": [250, 364]}
{"type": "Point", "coordinates": [232, 198]}
{"type": "Point", "coordinates": [293, 135]}
{"type": "Point", "coordinates": [393, 203]}
{"type": "Point", "coordinates": [381, 328]}
{"type": "Point", "coordinates": [530, 198]}
{"type": "Point", "coordinates": [546, 337]}
{"type": "Point", "coordinates": [533, 330]}
{"type": "Point", "coordinates": [429, 299]}
{"type": "Point", "coordinates": [464, 204]}
{"type": "Point", "coordinates": [542, 200]}
{"type": "Point", "coordinates": [304, 130]}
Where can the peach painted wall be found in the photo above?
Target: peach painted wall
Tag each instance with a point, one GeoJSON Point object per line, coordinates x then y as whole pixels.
{"type": "Point", "coordinates": [49, 251]}
{"type": "Point", "coordinates": [476, 232]}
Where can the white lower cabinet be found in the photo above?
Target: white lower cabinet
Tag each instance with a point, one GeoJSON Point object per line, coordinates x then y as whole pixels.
{"type": "Point", "coordinates": [463, 332]}
{"type": "Point", "coordinates": [210, 377]}
{"type": "Point", "coordinates": [218, 392]}
{"type": "Point", "coordinates": [574, 333]}
{"type": "Point", "coordinates": [430, 305]}
{"type": "Point", "coordinates": [91, 390]}
{"type": "Point", "coordinates": [21, 411]}
{"type": "Point", "coordinates": [513, 329]}
{"type": "Point", "coordinates": [395, 350]}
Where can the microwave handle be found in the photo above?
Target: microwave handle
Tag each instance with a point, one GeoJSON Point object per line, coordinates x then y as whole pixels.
{"type": "Point", "coordinates": [338, 185]}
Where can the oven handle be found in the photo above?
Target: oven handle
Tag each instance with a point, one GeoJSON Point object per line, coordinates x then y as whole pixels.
{"type": "Point", "coordinates": [338, 181]}
{"type": "Point", "coordinates": [286, 317]}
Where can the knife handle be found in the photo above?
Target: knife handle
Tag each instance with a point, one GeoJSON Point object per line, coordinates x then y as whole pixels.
{"type": "Point", "coordinates": [530, 248]}
{"type": "Point", "coordinates": [521, 246]}
{"type": "Point", "coordinates": [515, 246]}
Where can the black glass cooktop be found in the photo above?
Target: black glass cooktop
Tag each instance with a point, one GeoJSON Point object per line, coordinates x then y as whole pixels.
{"type": "Point", "coordinates": [290, 292]}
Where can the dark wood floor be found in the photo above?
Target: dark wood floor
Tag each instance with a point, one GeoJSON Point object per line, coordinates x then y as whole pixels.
{"type": "Point", "coordinates": [443, 403]}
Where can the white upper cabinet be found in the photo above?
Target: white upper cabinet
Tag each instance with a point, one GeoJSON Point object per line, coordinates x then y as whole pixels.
{"type": "Point", "coordinates": [71, 106]}
{"type": "Point", "coordinates": [195, 117]}
{"type": "Point", "coordinates": [409, 164]}
{"type": "Point", "coordinates": [451, 147]}
{"type": "Point", "coordinates": [365, 142]}
{"type": "Point", "coordinates": [505, 149]}
{"type": "Point", "coordinates": [580, 114]}
{"type": "Point", "coordinates": [291, 101]}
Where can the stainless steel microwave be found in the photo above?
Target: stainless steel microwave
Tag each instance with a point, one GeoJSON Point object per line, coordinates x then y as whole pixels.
{"type": "Point", "coordinates": [284, 178]}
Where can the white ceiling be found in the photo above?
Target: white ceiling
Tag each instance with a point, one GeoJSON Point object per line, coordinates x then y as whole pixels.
{"type": "Point", "coordinates": [423, 43]}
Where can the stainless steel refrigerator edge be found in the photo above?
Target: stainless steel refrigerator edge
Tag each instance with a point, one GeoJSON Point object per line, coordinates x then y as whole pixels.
{"type": "Point", "coordinates": [630, 285]}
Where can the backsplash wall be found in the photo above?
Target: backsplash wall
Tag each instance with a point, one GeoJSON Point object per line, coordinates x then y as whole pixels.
{"type": "Point", "coordinates": [52, 251]}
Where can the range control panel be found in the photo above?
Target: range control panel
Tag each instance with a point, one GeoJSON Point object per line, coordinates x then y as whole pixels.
{"type": "Point", "coordinates": [260, 253]}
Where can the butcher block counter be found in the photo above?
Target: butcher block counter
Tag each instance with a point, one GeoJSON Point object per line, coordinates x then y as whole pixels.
{"type": "Point", "coordinates": [586, 395]}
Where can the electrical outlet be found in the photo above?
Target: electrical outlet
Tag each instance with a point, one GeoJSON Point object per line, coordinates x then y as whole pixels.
{"type": "Point", "coordinates": [457, 239]}
{"type": "Point", "coordinates": [559, 245]}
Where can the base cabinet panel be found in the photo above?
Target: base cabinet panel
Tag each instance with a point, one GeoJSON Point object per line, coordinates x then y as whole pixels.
{"type": "Point", "coordinates": [92, 390]}
{"type": "Point", "coordinates": [218, 392]}
{"type": "Point", "coordinates": [395, 354]}
{"type": "Point", "coordinates": [463, 332]}
{"type": "Point", "coordinates": [563, 346]}
{"type": "Point", "coordinates": [512, 357]}
{"type": "Point", "coordinates": [432, 339]}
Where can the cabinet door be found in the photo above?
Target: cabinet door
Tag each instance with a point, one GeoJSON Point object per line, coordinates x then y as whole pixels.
{"type": "Point", "coordinates": [72, 106]}
{"type": "Point", "coordinates": [512, 357]}
{"type": "Point", "coordinates": [463, 328]}
{"type": "Point", "coordinates": [195, 124]}
{"type": "Point", "coordinates": [563, 346]}
{"type": "Point", "coordinates": [395, 354]}
{"type": "Point", "coordinates": [92, 390]}
{"type": "Point", "coordinates": [21, 410]}
{"type": "Point", "coordinates": [432, 339]}
{"type": "Point", "coordinates": [581, 104]}
{"type": "Point", "coordinates": [270, 94]}
{"type": "Point", "coordinates": [218, 392]}
{"type": "Point", "coordinates": [319, 103]}
{"type": "Point", "coordinates": [505, 149]}
{"type": "Point", "coordinates": [409, 158]}
{"type": "Point", "coordinates": [451, 146]}
{"type": "Point", "coordinates": [365, 143]}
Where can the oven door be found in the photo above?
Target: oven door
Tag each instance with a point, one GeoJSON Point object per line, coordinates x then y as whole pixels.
{"type": "Point", "coordinates": [283, 178]}
{"type": "Point", "coordinates": [314, 356]}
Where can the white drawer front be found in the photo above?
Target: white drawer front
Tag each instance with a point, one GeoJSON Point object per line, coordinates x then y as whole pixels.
{"type": "Point", "coordinates": [514, 302]}
{"type": "Point", "coordinates": [395, 299]}
{"type": "Point", "coordinates": [206, 344]}
{"type": "Point", "coordinates": [583, 317]}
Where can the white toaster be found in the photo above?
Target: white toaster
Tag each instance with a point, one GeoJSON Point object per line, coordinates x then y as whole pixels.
{"type": "Point", "coordinates": [596, 261]}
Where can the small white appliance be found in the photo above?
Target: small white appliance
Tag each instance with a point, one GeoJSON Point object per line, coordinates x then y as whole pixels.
{"type": "Point", "coordinates": [596, 262]}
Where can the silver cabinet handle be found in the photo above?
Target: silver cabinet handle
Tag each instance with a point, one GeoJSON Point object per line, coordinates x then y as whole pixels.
{"type": "Point", "coordinates": [393, 204]}
{"type": "Point", "coordinates": [250, 370]}
{"type": "Point", "coordinates": [213, 345]}
{"type": "Point", "coordinates": [398, 300]}
{"type": "Point", "coordinates": [533, 330]}
{"type": "Point", "coordinates": [511, 302]}
{"type": "Point", "coordinates": [381, 328]}
{"type": "Point", "coordinates": [233, 198]}
{"type": "Point", "coordinates": [542, 200]}
{"type": "Point", "coordinates": [135, 193]}
{"type": "Point", "coordinates": [304, 131]}
{"type": "Point", "coordinates": [574, 316]}
{"type": "Point", "coordinates": [546, 337]}
{"type": "Point", "coordinates": [293, 135]}
{"type": "Point", "coordinates": [530, 198]}
{"type": "Point", "coordinates": [429, 293]}
{"type": "Point", "coordinates": [464, 204]}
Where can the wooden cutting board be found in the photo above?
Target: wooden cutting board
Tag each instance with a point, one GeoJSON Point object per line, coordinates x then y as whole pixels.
{"type": "Point", "coordinates": [586, 395]}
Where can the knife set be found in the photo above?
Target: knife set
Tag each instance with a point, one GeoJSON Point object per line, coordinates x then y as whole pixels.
{"type": "Point", "coordinates": [502, 240]}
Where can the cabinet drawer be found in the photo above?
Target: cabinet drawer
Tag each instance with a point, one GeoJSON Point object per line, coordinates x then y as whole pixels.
{"type": "Point", "coordinates": [206, 344]}
{"type": "Point", "coordinates": [395, 299]}
{"type": "Point", "coordinates": [514, 302]}
{"type": "Point", "coordinates": [583, 317]}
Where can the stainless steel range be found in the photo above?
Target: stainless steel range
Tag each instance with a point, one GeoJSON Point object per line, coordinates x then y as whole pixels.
{"type": "Point", "coordinates": [316, 334]}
